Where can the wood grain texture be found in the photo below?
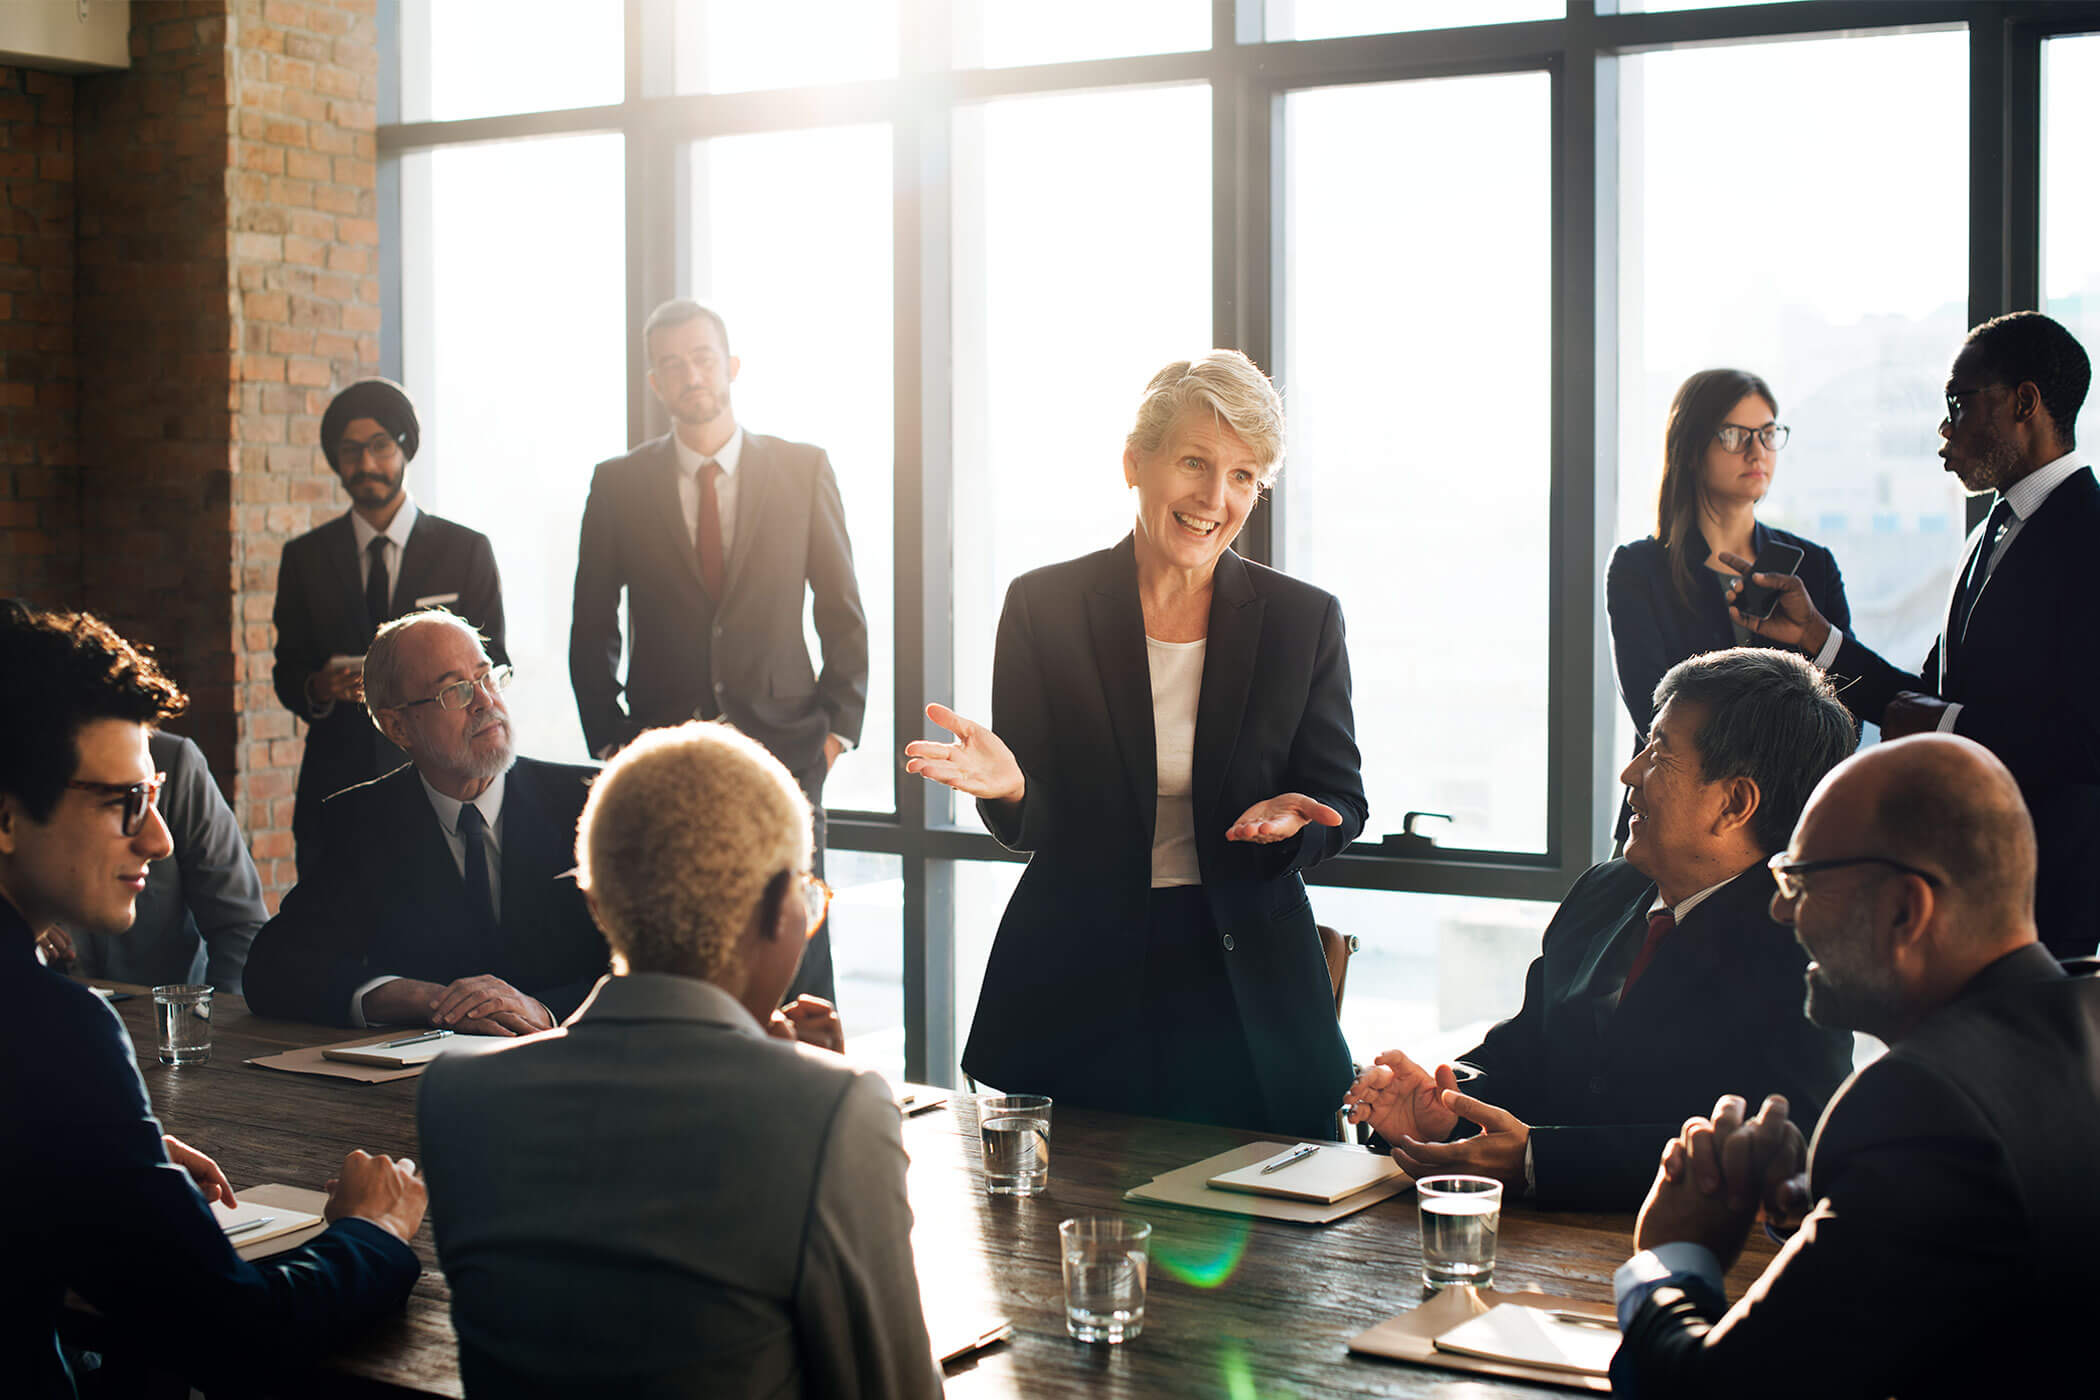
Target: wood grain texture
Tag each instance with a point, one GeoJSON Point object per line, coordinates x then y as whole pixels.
{"type": "Point", "coordinates": [1236, 1306]}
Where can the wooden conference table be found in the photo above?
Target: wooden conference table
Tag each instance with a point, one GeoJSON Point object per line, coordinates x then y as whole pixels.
{"type": "Point", "coordinates": [1237, 1307]}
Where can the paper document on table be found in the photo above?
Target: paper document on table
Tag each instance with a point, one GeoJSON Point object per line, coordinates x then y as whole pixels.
{"type": "Point", "coordinates": [1321, 1172]}
{"type": "Point", "coordinates": [1190, 1186]}
{"type": "Point", "coordinates": [280, 1201]}
{"type": "Point", "coordinates": [1414, 1336]}
{"type": "Point", "coordinates": [1536, 1337]}
{"type": "Point", "coordinates": [254, 1221]}
{"type": "Point", "coordinates": [413, 1050]}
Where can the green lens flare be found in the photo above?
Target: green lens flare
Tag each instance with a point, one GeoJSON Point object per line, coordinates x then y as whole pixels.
{"type": "Point", "coordinates": [1205, 1263]}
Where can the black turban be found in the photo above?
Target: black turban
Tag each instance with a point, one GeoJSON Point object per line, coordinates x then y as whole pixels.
{"type": "Point", "coordinates": [381, 400]}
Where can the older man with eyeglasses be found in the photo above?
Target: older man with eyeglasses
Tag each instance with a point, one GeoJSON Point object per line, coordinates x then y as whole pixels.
{"type": "Point", "coordinates": [442, 893]}
{"type": "Point", "coordinates": [339, 582]}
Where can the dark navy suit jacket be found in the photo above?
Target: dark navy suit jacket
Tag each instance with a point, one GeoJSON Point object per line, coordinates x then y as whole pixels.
{"type": "Point", "coordinates": [1061, 1010]}
{"type": "Point", "coordinates": [1604, 1082]}
{"type": "Point", "coordinates": [386, 899]}
{"type": "Point", "coordinates": [95, 1206]}
{"type": "Point", "coordinates": [1652, 629]}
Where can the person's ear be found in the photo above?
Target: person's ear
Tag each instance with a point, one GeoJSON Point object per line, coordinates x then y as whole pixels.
{"type": "Point", "coordinates": [11, 818]}
{"type": "Point", "coordinates": [2026, 402]}
{"type": "Point", "coordinates": [774, 908]}
{"type": "Point", "coordinates": [1740, 799]}
{"type": "Point", "coordinates": [393, 726]}
{"type": "Point", "coordinates": [1907, 909]}
{"type": "Point", "coordinates": [1130, 465]}
{"type": "Point", "coordinates": [735, 364]}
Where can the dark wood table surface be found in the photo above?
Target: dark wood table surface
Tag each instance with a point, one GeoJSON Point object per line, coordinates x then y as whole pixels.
{"type": "Point", "coordinates": [1236, 1307]}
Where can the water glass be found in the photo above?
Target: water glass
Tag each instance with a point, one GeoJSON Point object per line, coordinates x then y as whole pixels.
{"type": "Point", "coordinates": [1461, 1216]}
{"type": "Point", "coordinates": [1015, 1129]}
{"type": "Point", "coordinates": [1105, 1259]}
{"type": "Point", "coordinates": [183, 1016]}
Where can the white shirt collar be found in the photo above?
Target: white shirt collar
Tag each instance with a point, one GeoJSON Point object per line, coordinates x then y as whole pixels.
{"type": "Point", "coordinates": [398, 530]}
{"type": "Point", "coordinates": [2026, 495]}
{"type": "Point", "coordinates": [1683, 907]}
{"type": "Point", "coordinates": [447, 808]}
{"type": "Point", "coordinates": [727, 459]}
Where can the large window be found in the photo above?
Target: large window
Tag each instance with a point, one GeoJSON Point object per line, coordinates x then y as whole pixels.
{"type": "Point", "coordinates": [1479, 243]}
{"type": "Point", "coordinates": [1416, 346]}
{"type": "Point", "coordinates": [1788, 209]}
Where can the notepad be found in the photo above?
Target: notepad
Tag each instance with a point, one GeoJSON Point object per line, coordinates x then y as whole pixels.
{"type": "Point", "coordinates": [1535, 1337]}
{"type": "Point", "coordinates": [395, 1055]}
{"type": "Point", "coordinates": [252, 1222]}
{"type": "Point", "coordinates": [1326, 1174]}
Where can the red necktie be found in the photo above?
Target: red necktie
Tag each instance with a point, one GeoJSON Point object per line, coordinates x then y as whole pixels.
{"type": "Point", "coordinates": [1659, 923]}
{"type": "Point", "coordinates": [710, 531]}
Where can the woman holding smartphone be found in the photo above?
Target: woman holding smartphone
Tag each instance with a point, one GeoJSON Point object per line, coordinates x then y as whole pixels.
{"type": "Point", "coordinates": [1668, 595]}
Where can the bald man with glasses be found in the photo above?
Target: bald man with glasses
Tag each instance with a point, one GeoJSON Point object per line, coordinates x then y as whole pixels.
{"type": "Point", "coordinates": [442, 894]}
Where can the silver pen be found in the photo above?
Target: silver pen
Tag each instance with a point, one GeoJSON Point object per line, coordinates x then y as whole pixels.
{"type": "Point", "coordinates": [1583, 1319]}
{"type": "Point", "coordinates": [413, 1040]}
{"type": "Point", "coordinates": [1298, 1155]}
{"type": "Point", "coordinates": [245, 1226]}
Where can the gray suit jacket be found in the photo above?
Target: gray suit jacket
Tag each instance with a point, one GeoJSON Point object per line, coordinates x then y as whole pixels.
{"type": "Point", "coordinates": [790, 542]}
{"type": "Point", "coordinates": [202, 906]}
{"type": "Point", "coordinates": [658, 1199]}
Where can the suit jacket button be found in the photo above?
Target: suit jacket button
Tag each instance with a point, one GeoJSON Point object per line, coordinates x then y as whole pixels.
{"type": "Point", "coordinates": [1228, 942]}
{"type": "Point", "coordinates": [718, 687]}
{"type": "Point", "coordinates": [1597, 1084]}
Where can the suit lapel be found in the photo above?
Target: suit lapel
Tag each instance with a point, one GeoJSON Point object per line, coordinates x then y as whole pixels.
{"type": "Point", "coordinates": [2022, 573]}
{"type": "Point", "coordinates": [1236, 613]}
{"type": "Point", "coordinates": [341, 555]}
{"type": "Point", "coordinates": [677, 531]}
{"type": "Point", "coordinates": [442, 913]}
{"type": "Point", "coordinates": [1602, 971]}
{"type": "Point", "coordinates": [526, 843]}
{"type": "Point", "coordinates": [1950, 643]}
{"type": "Point", "coordinates": [417, 567]}
{"type": "Point", "coordinates": [1117, 624]}
{"type": "Point", "coordinates": [754, 484]}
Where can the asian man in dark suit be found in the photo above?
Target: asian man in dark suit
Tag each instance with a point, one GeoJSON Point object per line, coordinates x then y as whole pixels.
{"type": "Point", "coordinates": [338, 582]}
{"type": "Point", "coordinates": [103, 1203]}
{"type": "Point", "coordinates": [716, 536]}
{"type": "Point", "coordinates": [1943, 1226]}
{"type": "Point", "coordinates": [443, 895]}
{"type": "Point", "coordinates": [1663, 982]}
{"type": "Point", "coordinates": [2017, 663]}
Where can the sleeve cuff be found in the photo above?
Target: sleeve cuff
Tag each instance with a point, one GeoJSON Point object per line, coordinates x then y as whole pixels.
{"type": "Point", "coordinates": [845, 745]}
{"type": "Point", "coordinates": [319, 709]}
{"type": "Point", "coordinates": [1655, 1268]}
{"type": "Point", "coordinates": [1531, 1176]}
{"type": "Point", "coordinates": [357, 1000]}
{"type": "Point", "coordinates": [1948, 717]}
{"type": "Point", "coordinates": [1828, 656]}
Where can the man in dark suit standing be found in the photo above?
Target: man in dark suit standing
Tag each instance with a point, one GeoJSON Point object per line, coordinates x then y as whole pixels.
{"type": "Point", "coordinates": [104, 1203]}
{"type": "Point", "coordinates": [441, 894]}
{"type": "Point", "coordinates": [1663, 982]}
{"type": "Point", "coordinates": [716, 535]}
{"type": "Point", "coordinates": [338, 582]}
{"type": "Point", "coordinates": [2017, 664]}
{"type": "Point", "coordinates": [1950, 1244]}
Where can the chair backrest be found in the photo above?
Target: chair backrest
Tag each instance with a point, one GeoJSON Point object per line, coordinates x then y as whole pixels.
{"type": "Point", "coordinates": [1337, 947]}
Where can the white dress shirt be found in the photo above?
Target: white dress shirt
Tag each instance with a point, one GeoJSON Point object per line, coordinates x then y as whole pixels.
{"type": "Point", "coordinates": [490, 804]}
{"type": "Point", "coordinates": [2025, 496]}
{"type": "Point", "coordinates": [396, 537]}
{"type": "Point", "coordinates": [728, 459]}
{"type": "Point", "coordinates": [1177, 683]}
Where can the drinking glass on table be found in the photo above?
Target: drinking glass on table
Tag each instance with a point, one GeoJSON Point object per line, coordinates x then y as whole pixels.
{"type": "Point", "coordinates": [1015, 1130]}
{"type": "Point", "coordinates": [1105, 1263]}
{"type": "Point", "coordinates": [182, 1014]}
{"type": "Point", "coordinates": [1461, 1217]}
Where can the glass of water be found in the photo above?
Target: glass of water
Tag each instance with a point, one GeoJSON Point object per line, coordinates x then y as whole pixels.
{"type": "Point", "coordinates": [1015, 1129]}
{"type": "Point", "coordinates": [1461, 1216]}
{"type": "Point", "coordinates": [183, 1016]}
{"type": "Point", "coordinates": [1105, 1260]}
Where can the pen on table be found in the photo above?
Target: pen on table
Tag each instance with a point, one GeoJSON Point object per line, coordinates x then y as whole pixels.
{"type": "Point", "coordinates": [1583, 1319]}
{"type": "Point", "coordinates": [245, 1226]}
{"type": "Point", "coordinates": [413, 1040]}
{"type": "Point", "coordinates": [1297, 1155]}
{"type": "Point", "coordinates": [915, 1105]}
{"type": "Point", "coordinates": [1003, 1332]}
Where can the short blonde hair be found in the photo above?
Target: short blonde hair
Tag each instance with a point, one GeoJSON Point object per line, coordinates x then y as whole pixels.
{"type": "Point", "coordinates": [681, 835]}
{"type": "Point", "coordinates": [1228, 384]}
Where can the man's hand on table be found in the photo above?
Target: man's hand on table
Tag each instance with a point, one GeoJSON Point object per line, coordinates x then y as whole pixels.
{"type": "Point", "coordinates": [1718, 1172]}
{"type": "Point", "coordinates": [1497, 1150]}
{"type": "Point", "coordinates": [202, 1169]}
{"type": "Point", "coordinates": [811, 1020]}
{"type": "Point", "coordinates": [1399, 1098]}
{"type": "Point", "coordinates": [483, 1005]}
{"type": "Point", "coordinates": [388, 1193]}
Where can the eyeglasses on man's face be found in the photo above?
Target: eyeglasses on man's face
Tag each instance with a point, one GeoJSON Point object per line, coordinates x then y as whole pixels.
{"type": "Point", "coordinates": [138, 798]}
{"type": "Point", "coordinates": [1791, 875]}
{"type": "Point", "coordinates": [460, 694]}
{"type": "Point", "coordinates": [816, 902]}
{"type": "Point", "coordinates": [380, 447]}
{"type": "Point", "coordinates": [1733, 437]}
{"type": "Point", "coordinates": [1956, 408]}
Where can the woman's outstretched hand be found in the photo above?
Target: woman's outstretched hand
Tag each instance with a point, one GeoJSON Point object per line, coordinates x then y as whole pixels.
{"type": "Point", "coordinates": [978, 762]}
{"type": "Point", "coordinates": [1281, 818]}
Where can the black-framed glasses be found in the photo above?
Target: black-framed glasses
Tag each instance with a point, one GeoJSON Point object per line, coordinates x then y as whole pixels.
{"type": "Point", "coordinates": [1733, 437]}
{"type": "Point", "coordinates": [460, 694]}
{"type": "Point", "coordinates": [380, 447]}
{"type": "Point", "coordinates": [816, 902]}
{"type": "Point", "coordinates": [1791, 876]}
{"type": "Point", "coordinates": [138, 797]}
{"type": "Point", "coordinates": [1954, 402]}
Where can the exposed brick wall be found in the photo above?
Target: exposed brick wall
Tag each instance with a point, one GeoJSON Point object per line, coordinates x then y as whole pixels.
{"type": "Point", "coordinates": [39, 389]}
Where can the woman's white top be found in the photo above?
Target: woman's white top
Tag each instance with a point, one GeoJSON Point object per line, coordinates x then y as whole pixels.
{"type": "Point", "coordinates": [1177, 680]}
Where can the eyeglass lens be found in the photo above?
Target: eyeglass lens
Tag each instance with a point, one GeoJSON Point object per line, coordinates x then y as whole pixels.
{"type": "Point", "coordinates": [460, 694]}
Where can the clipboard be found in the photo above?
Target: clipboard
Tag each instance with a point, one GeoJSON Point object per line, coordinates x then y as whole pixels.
{"type": "Point", "coordinates": [1188, 1187]}
{"type": "Point", "coordinates": [1411, 1337]}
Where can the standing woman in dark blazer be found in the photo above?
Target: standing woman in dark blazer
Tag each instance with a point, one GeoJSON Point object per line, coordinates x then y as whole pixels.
{"type": "Point", "coordinates": [1668, 595]}
{"type": "Point", "coordinates": [1172, 739]}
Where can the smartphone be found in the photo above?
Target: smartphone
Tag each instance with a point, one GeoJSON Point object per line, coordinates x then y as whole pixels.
{"type": "Point", "coordinates": [1756, 600]}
